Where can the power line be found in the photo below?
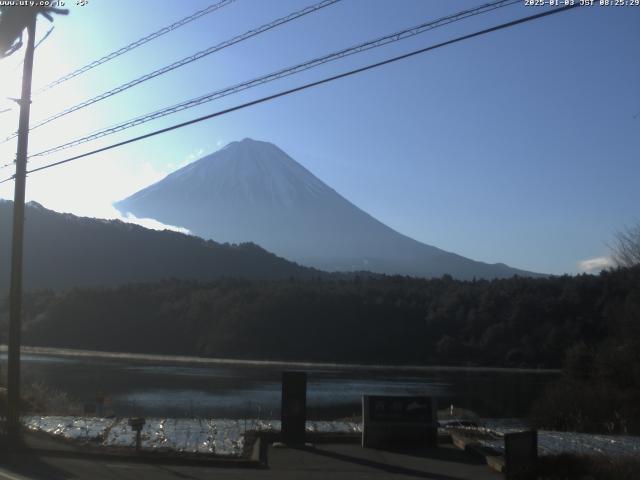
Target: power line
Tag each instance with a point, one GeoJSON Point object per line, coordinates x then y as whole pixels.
{"type": "Point", "coordinates": [136, 44]}
{"type": "Point", "coordinates": [8, 164]}
{"type": "Point", "coordinates": [19, 64]}
{"type": "Point", "coordinates": [44, 37]}
{"type": "Point", "coordinates": [185, 61]}
{"type": "Point", "coordinates": [305, 87]}
{"type": "Point", "coordinates": [394, 37]}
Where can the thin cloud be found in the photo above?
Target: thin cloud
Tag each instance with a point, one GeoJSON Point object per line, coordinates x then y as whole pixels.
{"type": "Point", "coordinates": [88, 189]}
{"type": "Point", "coordinates": [152, 224]}
{"type": "Point", "coordinates": [595, 265]}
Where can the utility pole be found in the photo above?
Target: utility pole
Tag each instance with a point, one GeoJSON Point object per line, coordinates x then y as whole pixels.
{"type": "Point", "coordinates": [15, 293]}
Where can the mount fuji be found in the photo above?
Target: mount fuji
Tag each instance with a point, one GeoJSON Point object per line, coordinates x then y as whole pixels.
{"type": "Point", "coordinates": [253, 191]}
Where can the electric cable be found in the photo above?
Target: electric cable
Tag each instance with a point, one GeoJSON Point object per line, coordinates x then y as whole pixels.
{"type": "Point", "coordinates": [378, 42]}
{"type": "Point", "coordinates": [307, 86]}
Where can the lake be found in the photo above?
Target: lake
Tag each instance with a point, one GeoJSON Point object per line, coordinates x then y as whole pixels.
{"type": "Point", "coordinates": [145, 386]}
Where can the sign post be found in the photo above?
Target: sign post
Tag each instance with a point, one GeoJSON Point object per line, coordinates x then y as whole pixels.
{"type": "Point", "coordinates": [136, 424]}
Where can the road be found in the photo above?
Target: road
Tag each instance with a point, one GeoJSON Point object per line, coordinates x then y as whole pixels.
{"type": "Point", "coordinates": [333, 461]}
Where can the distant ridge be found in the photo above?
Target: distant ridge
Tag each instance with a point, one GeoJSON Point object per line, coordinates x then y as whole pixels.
{"type": "Point", "coordinates": [253, 191]}
{"type": "Point", "coordinates": [62, 250]}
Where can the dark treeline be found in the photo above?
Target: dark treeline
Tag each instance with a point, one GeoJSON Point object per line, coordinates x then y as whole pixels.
{"type": "Point", "coordinates": [518, 322]}
{"type": "Point", "coordinates": [600, 386]}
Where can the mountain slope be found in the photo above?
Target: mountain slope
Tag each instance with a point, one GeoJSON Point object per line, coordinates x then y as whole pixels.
{"type": "Point", "coordinates": [62, 250]}
{"type": "Point", "coordinates": [253, 191]}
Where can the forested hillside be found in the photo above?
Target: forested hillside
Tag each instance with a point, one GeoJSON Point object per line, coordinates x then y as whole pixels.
{"type": "Point", "coordinates": [63, 251]}
{"type": "Point", "coordinates": [399, 320]}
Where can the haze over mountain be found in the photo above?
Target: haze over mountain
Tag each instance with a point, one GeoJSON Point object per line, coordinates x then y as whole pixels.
{"type": "Point", "coordinates": [62, 250]}
{"type": "Point", "coordinates": [253, 191]}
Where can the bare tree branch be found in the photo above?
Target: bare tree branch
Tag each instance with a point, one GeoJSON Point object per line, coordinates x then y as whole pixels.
{"type": "Point", "coordinates": [626, 247]}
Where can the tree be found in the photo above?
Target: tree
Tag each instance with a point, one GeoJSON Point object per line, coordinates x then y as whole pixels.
{"type": "Point", "coordinates": [14, 20]}
{"type": "Point", "coordinates": [626, 248]}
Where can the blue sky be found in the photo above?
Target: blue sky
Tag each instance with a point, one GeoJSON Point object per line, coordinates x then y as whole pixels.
{"type": "Point", "coordinates": [520, 146]}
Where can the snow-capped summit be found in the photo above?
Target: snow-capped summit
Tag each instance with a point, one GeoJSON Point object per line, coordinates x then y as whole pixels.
{"type": "Point", "coordinates": [250, 171]}
{"type": "Point", "coordinates": [253, 191]}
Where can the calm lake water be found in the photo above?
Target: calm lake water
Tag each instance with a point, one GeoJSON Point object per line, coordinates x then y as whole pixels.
{"type": "Point", "coordinates": [137, 387]}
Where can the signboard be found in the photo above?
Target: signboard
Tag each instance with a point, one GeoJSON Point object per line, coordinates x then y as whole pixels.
{"type": "Point", "coordinates": [392, 419]}
{"type": "Point", "coordinates": [294, 407]}
{"type": "Point", "coordinates": [521, 454]}
{"type": "Point", "coordinates": [400, 409]}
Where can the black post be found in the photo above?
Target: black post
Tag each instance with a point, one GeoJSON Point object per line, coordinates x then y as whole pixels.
{"type": "Point", "coordinates": [294, 408]}
{"type": "Point", "coordinates": [15, 293]}
{"type": "Point", "coordinates": [136, 424]}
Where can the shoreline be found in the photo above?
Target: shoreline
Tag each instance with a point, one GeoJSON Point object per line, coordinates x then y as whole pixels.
{"type": "Point", "coordinates": [204, 361]}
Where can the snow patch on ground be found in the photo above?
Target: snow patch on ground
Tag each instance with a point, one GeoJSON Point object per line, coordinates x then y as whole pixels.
{"type": "Point", "coordinates": [553, 442]}
{"type": "Point", "coordinates": [224, 437]}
